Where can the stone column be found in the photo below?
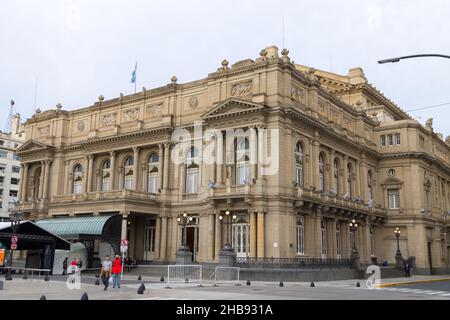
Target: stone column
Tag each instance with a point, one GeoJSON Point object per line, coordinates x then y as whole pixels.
{"type": "Point", "coordinates": [24, 182]}
{"type": "Point", "coordinates": [217, 237]}
{"type": "Point", "coordinates": [85, 173]}
{"type": "Point", "coordinates": [253, 240]}
{"type": "Point", "coordinates": [358, 182]}
{"type": "Point", "coordinates": [331, 173]}
{"type": "Point", "coordinates": [124, 229]}
{"type": "Point", "coordinates": [91, 173]}
{"type": "Point", "coordinates": [166, 165]}
{"type": "Point", "coordinates": [331, 238]}
{"type": "Point", "coordinates": [253, 153]}
{"type": "Point", "coordinates": [21, 183]}
{"type": "Point", "coordinates": [136, 168]}
{"type": "Point", "coordinates": [219, 158]}
{"type": "Point", "coordinates": [46, 179]}
{"type": "Point", "coordinates": [67, 177]}
{"type": "Point", "coordinates": [160, 169]}
{"type": "Point", "coordinates": [315, 164]}
{"type": "Point", "coordinates": [41, 181]}
{"type": "Point", "coordinates": [261, 235]}
{"type": "Point", "coordinates": [210, 247]}
{"type": "Point", "coordinates": [163, 248]}
{"type": "Point", "coordinates": [363, 180]}
{"type": "Point", "coordinates": [345, 185]}
{"type": "Point", "coordinates": [112, 170]}
{"type": "Point", "coordinates": [157, 237]}
{"type": "Point", "coordinates": [261, 152]}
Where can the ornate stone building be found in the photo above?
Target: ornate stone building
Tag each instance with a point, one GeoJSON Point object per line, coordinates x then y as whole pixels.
{"type": "Point", "coordinates": [337, 150]}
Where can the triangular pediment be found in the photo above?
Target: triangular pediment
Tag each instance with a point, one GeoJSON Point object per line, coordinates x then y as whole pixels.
{"type": "Point", "coordinates": [33, 145]}
{"type": "Point", "coordinates": [231, 107]}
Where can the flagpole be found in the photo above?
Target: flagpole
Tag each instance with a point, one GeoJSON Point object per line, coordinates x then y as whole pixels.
{"type": "Point", "coordinates": [135, 82]}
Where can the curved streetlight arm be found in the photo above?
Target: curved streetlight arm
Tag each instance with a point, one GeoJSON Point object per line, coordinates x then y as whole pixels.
{"type": "Point", "coordinates": [393, 60]}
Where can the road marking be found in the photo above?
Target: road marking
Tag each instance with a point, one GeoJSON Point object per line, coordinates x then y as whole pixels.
{"type": "Point", "coordinates": [436, 292]}
{"type": "Point", "coordinates": [445, 295]}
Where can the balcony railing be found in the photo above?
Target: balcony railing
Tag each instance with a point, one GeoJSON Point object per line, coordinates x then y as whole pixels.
{"type": "Point", "coordinates": [108, 195]}
{"type": "Point", "coordinates": [292, 263]}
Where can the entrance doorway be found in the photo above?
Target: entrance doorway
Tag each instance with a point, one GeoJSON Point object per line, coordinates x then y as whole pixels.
{"type": "Point", "coordinates": [149, 238]}
{"type": "Point", "coordinates": [240, 239]}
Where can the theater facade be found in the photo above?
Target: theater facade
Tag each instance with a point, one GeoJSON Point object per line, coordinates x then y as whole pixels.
{"type": "Point", "coordinates": [272, 157]}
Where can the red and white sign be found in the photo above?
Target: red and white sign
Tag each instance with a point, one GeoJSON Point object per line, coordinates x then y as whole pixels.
{"type": "Point", "coordinates": [13, 246]}
{"type": "Point", "coordinates": [124, 242]}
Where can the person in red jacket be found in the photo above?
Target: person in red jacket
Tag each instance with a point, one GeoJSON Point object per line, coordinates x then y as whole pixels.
{"type": "Point", "coordinates": [116, 271]}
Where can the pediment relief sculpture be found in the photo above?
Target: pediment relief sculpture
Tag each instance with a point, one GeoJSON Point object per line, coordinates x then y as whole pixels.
{"type": "Point", "coordinates": [154, 109]}
{"type": "Point", "coordinates": [108, 119]}
{"type": "Point", "coordinates": [241, 88]}
{"type": "Point", "coordinates": [131, 114]}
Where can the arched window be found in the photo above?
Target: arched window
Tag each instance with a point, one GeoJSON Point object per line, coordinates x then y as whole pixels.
{"type": "Point", "coordinates": [321, 173]}
{"type": "Point", "coordinates": [153, 173]}
{"type": "Point", "coordinates": [336, 168]}
{"type": "Point", "coordinates": [128, 174]}
{"type": "Point", "coordinates": [242, 161]}
{"type": "Point", "coordinates": [299, 164]}
{"type": "Point", "coordinates": [106, 175]}
{"type": "Point", "coordinates": [300, 236]}
{"type": "Point", "coordinates": [350, 180]}
{"type": "Point", "coordinates": [192, 171]}
{"type": "Point", "coordinates": [370, 186]}
{"type": "Point", "coordinates": [77, 179]}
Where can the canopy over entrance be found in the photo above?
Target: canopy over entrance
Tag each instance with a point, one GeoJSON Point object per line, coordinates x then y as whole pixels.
{"type": "Point", "coordinates": [86, 229]}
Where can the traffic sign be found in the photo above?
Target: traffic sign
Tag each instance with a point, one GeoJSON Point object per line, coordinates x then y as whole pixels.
{"type": "Point", "coordinates": [124, 242]}
{"type": "Point", "coordinates": [13, 246]}
{"type": "Point", "coordinates": [123, 249]}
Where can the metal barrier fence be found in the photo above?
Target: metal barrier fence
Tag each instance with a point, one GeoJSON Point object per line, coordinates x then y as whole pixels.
{"type": "Point", "coordinates": [27, 273]}
{"type": "Point", "coordinates": [184, 274]}
{"type": "Point", "coordinates": [226, 275]}
{"type": "Point", "coordinates": [292, 263]}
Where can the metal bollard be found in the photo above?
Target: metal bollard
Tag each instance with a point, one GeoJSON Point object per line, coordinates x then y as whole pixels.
{"type": "Point", "coordinates": [1, 285]}
{"type": "Point", "coordinates": [281, 284]}
{"type": "Point", "coordinates": [84, 296]}
{"type": "Point", "coordinates": [312, 284]}
{"type": "Point", "coordinates": [249, 282]}
{"type": "Point", "coordinates": [162, 279]}
{"type": "Point", "coordinates": [139, 278]}
{"type": "Point", "coordinates": [43, 297]}
{"type": "Point", "coordinates": [141, 289]}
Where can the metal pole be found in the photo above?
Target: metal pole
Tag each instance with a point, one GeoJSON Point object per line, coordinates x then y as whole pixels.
{"type": "Point", "coordinates": [393, 60]}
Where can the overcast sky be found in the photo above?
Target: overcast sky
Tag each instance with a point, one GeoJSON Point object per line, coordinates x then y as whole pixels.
{"type": "Point", "coordinates": [79, 49]}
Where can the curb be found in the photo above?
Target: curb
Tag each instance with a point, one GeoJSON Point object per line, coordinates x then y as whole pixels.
{"type": "Point", "coordinates": [393, 284]}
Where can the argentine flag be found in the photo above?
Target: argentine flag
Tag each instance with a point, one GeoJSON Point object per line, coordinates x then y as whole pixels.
{"type": "Point", "coordinates": [133, 74]}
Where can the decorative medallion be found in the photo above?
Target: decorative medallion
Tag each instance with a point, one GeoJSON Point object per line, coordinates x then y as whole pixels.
{"type": "Point", "coordinates": [131, 114]}
{"type": "Point", "coordinates": [193, 101]}
{"type": "Point", "coordinates": [391, 173]}
{"type": "Point", "coordinates": [80, 125]}
{"type": "Point", "coordinates": [242, 88]}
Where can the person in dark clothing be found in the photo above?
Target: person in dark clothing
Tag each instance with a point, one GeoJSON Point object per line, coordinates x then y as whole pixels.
{"type": "Point", "coordinates": [79, 263]}
{"type": "Point", "coordinates": [407, 270]}
{"type": "Point", "coordinates": [65, 266]}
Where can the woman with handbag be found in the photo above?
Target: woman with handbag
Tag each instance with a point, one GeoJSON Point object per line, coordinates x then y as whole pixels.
{"type": "Point", "coordinates": [105, 273]}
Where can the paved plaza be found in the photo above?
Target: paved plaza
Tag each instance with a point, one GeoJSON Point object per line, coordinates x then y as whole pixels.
{"type": "Point", "coordinates": [394, 289]}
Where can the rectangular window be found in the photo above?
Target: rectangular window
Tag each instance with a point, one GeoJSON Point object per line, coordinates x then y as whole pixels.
{"type": "Point", "coordinates": [394, 199]}
{"type": "Point", "coordinates": [390, 140]}
{"type": "Point", "coordinates": [397, 139]}
{"type": "Point", "coordinates": [14, 181]}
{"type": "Point", "coordinates": [152, 182]}
{"type": "Point", "coordinates": [192, 181]}
{"type": "Point", "coordinates": [383, 140]}
{"type": "Point", "coordinates": [13, 193]}
{"type": "Point", "coordinates": [3, 154]}
{"type": "Point", "coordinates": [2, 180]}
{"type": "Point", "coordinates": [16, 157]}
{"type": "Point", "coordinates": [15, 169]}
{"type": "Point", "coordinates": [338, 240]}
{"type": "Point", "coordinates": [2, 168]}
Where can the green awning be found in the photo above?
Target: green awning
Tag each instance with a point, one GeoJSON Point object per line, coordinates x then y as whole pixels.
{"type": "Point", "coordinates": [65, 227]}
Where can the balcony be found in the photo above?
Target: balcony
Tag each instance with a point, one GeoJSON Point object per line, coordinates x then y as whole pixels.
{"type": "Point", "coordinates": [102, 196]}
{"type": "Point", "coordinates": [231, 191]}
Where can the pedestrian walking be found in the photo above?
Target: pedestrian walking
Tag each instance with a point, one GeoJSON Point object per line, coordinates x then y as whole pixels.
{"type": "Point", "coordinates": [116, 271]}
{"type": "Point", "coordinates": [73, 266]}
{"type": "Point", "coordinates": [407, 270]}
{"type": "Point", "coordinates": [79, 263]}
{"type": "Point", "coordinates": [65, 262]}
{"type": "Point", "coordinates": [105, 273]}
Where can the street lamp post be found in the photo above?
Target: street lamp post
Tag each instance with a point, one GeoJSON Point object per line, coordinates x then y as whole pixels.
{"type": "Point", "coordinates": [398, 254]}
{"type": "Point", "coordinates": [14, 218]}
{"type": "Point", "coordinates": [227, 255]}
{"type": "Point", "coordinates": [354, 256]}
{"type": "Point", "coordinates": [184, 253]}
{"type": "Point", "coordinates": [397, 59]}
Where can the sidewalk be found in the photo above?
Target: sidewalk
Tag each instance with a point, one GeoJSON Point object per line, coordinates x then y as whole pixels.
{"type": "Point", "coordinates": [388, 282]}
